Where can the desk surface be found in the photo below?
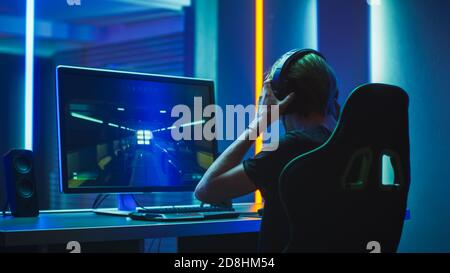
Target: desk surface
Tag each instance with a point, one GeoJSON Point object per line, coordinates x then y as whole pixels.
{"type": "Point", "coordinates": [86, 226]}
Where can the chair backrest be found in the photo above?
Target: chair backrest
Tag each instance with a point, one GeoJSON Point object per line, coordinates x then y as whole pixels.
{"type": "Point", "coordinates": [353, 189]}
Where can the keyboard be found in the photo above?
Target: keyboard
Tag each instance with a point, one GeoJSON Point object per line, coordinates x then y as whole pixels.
{"type": "Point", "coordinates": [192, 216]}
{"type": "Point", "coordinates": [185, 209]}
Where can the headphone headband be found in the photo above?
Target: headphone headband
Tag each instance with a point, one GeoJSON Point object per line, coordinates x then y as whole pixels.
{"type": "Point", "coordinates": [279, 78]}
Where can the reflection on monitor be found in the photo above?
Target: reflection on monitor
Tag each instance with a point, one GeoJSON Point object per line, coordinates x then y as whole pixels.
{"type": "Point", "coordinates": [115, 132]}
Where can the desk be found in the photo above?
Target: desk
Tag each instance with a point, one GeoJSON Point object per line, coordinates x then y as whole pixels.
{"type": "Point", "coordinates": [86, 226]}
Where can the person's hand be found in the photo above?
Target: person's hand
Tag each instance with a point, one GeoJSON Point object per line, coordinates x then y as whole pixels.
{"type": "Point", "coordinates": [268, 99]}
{"type": "Point", "coordinates": [264, 116]}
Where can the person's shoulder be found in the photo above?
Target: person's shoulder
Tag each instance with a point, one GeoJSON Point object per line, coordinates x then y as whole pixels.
{"type": "Point", "coordinates": [298, 140]}
{"type": "Point", "coordinates": [292, 140]}
{"type": "Point", "coordinates": [304, 139]}
{"type": "Point", "coordinates": [314, 134]}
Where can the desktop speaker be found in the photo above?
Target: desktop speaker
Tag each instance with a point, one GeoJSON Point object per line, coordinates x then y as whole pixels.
{"type": "Point", "coordinates": [20, 183]}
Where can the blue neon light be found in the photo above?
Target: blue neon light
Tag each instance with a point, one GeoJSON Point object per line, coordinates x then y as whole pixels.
{"type": "Point", "coordinates": [58, 124]}
{"type": "Point", "coordinates": [29, 54]}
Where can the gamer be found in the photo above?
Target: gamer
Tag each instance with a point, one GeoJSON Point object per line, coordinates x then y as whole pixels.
{"type": "Point", "coordinates": [304, 87]}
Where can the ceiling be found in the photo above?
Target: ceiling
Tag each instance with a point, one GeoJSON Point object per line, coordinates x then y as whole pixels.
{"type": "Point", "coordinates": [60, 26]}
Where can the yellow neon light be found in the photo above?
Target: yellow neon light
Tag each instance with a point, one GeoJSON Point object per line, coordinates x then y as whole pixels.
{"type": "Point", "coordinates": [259, 68]}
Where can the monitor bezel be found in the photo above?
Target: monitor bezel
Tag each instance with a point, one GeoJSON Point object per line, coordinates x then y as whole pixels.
{"type": "Point", "coordinates": [60, 106]}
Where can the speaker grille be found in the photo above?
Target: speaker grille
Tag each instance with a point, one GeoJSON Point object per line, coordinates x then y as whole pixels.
{"type": "Point", "coordinates": [20, 183]}
{"type": "Point", "coordinates": [25, 187]}
{"type": "Point", "coordinates": [22, 164]}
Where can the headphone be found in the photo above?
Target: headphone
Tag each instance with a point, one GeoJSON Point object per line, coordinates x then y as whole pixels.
{"type": "Point", "coordinates": [280, 79]}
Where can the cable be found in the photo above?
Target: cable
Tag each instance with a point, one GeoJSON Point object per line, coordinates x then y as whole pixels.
{"type": "Point", "coordinates": [94, 204]}
{"type": "Point", "coordinates": [99, 200]}
{"type": "Point", "coordinates": [103, 199]}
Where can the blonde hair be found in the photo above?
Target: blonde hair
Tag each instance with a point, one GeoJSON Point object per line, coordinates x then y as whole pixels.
{"type": "Point", "coordinates": [313, 81]}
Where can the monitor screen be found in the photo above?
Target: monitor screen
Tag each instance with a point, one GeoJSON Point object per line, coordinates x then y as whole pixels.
{"type": "Point", "coordinates": [115, 131]}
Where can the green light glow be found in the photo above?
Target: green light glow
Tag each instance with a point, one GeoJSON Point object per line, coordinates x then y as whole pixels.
{"type": "Point", "coordinates": [388, 175]}
{"type": "Point", "coordinates": [80, 116]}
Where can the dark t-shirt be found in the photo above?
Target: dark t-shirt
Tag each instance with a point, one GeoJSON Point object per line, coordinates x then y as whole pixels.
{"type": "Point", "coordinates": [264, 170]}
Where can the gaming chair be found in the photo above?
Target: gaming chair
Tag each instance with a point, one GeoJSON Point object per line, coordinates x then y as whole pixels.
{"type": "Point", "coordinates": [351, 192]}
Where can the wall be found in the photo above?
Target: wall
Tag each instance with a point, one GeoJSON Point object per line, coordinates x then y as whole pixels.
{"type": "Point", "coordinates": [410, 48]}
{"type": "Point", "coordinates": [343, 32]}
{"type": "Point", "coordinates": [288, 24]}
{"type": "Point", "coordinates": [12, 114]}
{"type": "Point", "coordinates": [11, 108]}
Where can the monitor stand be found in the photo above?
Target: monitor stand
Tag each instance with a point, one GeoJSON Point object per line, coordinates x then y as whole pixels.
{"type": "Point", "coordinates": [126, 202]}
{"type": "Point", "coordinates": [125, 205]}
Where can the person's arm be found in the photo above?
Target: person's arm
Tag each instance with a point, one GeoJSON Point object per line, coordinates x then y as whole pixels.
{"type": "Point", "coordinates": [225, 178]}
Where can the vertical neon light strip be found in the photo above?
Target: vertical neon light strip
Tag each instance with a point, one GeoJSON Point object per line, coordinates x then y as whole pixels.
{"type": "Point", "coordinates": [378, 29]}
{"type": "Point", "coordinates": [259, 67]}
{"type": "Point", "coordinates": [29, 54]}
{"type": "Point", "coordinates": [313, 36]}
{"type": "Point", "coordinates": [376, 40]}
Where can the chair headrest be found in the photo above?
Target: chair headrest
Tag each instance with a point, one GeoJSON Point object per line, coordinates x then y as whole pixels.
{"type": "Point", "coordinates": [375, 114]}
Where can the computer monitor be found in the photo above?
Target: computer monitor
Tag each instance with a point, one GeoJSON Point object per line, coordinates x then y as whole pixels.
{"type": "Point", "coordinates": [114, 131]}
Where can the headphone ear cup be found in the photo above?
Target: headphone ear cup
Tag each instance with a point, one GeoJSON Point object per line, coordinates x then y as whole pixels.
{"type": "Point", "coordinates": [277, 89]}
{"type": "Point", "coordinates": [276, 93]}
